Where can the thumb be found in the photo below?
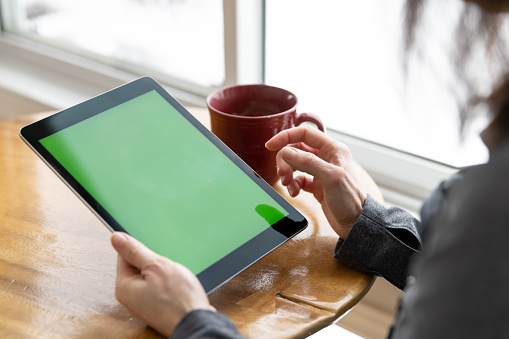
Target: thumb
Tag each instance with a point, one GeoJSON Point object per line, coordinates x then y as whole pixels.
{"type": "Point", "coordinates": [131, 250]}
{"type": "Point", "coordinates": [307, 162]}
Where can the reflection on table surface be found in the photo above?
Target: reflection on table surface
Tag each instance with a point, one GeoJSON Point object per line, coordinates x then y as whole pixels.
{"type": "Point", "coordinates": [57, 267]}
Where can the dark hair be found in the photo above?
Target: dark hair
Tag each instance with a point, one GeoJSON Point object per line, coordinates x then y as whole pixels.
{"type": "Point", "coordinates": [476, 26]}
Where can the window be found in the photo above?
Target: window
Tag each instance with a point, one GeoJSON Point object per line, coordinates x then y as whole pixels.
{"type": "Point", "coordinates": [342, 59]}
{"type": "Point", "coordinates": [171, 39]}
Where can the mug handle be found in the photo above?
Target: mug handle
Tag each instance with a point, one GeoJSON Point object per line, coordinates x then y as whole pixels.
{"type": "Point", "coordinates": [309, 117]}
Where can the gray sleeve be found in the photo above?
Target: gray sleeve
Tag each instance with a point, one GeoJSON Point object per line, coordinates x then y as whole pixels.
{"type": "Point", "coordinates": [205, 324]}
{"type": "Point", "coordinates": [461, 278]}
{"type": "Point", "coordinates": [382, 242]}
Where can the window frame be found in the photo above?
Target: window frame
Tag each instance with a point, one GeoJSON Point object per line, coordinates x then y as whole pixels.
{"type": "Point", "coordinates": [63, 79]}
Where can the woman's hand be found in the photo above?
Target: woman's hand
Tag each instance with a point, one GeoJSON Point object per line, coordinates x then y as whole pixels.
{"type": "Point", "coordinates": [338, 183]}
{"type": "Point", "coordinates": [154, 289]}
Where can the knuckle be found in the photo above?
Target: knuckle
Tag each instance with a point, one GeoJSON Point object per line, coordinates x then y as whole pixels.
{"type": "Point", "coordinates": [132, 253]}
{"type": "Point", "coordinates": [308, 159]}
{"type": "Point", "coordinates": [336, 176]}
{"type": "Point", "coordinates": [342, 154]}
{"type": "Point", "coordinates": [155, 265]}
{"type": "Point", "coordinates": [343, 149]}
{"type": "Point", "coordinates": [306, 128]}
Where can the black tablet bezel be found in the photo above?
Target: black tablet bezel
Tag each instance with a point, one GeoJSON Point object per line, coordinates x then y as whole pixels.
{"type": "Point", "coordinates": [224, 269]}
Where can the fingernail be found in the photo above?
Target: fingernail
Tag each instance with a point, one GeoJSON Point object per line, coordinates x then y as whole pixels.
{"type": "Point", "coordinates": [120, 238]}
{"type": "Point", "coordinates": [289, 153]}
{"type": "Point", "coordinates": [290, 190]}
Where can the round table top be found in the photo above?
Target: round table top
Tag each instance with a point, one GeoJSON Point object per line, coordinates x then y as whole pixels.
{"type": "Point", "coordinates": [57, 267]}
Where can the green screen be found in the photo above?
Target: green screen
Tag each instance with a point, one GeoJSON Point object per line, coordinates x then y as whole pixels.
{"type": "Point", "coordinates": [164, 182]}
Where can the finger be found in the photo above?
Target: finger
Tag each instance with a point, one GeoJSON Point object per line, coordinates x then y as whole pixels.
{"type": "Point", "coordinates": [304, 147]}
{"type": "Point", "coordinates": [132, 251]}
{"type": "Point", "coordinates": [284, 170]}
{"type": "Point", "coordinates": [302, 134]}
{"type": "Point", "coordinates": [301, 182]}
{"type": "Point", "coordinates": [123, 282]}
{"type": "Point", "coordinates": [124, 269]}
{"type": "Point", "coordinates": [306, 183]}
{"type": "Point", "coordinates": [308, 163]}
{"type": "Point", "coordinates": [293, 188]}
{"type": "Point", "coordinates": [311, 140]}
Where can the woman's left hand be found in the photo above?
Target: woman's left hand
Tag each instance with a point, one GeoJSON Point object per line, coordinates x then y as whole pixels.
{"type": "Point", "coordinates": [153, 288]}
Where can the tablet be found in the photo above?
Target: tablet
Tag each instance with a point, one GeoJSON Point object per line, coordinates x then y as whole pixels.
{"type": "Point", "coordinates": [145, 166]}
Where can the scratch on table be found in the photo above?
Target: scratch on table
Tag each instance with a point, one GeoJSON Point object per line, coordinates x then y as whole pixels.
{"type": "Point", "coordinates": [10, 284]}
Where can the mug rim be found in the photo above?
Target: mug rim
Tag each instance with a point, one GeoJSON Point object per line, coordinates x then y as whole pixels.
{"type": "Point", "coordinates": [248, 117]}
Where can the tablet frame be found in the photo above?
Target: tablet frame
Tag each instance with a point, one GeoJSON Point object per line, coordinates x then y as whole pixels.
{"type": "Point", "coordinates": [226, 268]}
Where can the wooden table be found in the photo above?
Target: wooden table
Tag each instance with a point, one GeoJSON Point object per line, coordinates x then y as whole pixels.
{"type": "Point", "coordinates": [57, 267]}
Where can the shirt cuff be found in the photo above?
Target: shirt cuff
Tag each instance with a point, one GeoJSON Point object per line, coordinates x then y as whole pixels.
{"type": "Point", "coordinates": [380, 243]}
{"type": "Point", "coordinates": [205, 324]}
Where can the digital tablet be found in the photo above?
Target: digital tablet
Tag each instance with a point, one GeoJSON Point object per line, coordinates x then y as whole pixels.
{"type": "Point", "coordinates": [145, 166]}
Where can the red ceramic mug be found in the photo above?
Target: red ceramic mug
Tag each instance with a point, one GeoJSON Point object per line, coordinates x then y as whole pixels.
{"type": "Point", "coordinates": [245, 117]}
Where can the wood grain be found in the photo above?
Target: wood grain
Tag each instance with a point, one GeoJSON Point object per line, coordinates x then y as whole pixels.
{"type": "Point", "coordinates": [57, 267]}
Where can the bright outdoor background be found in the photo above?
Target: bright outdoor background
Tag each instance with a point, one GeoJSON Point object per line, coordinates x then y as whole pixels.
{"type": "Point", "coordinates": [341, 58]}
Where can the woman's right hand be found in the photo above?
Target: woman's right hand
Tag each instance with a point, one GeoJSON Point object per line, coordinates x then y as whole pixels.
{"type": "Point", "coordinates": [330, 173]}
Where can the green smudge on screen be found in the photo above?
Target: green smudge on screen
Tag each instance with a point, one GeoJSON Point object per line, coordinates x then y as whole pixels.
{"type": "Point", "coordinates": [269, 213]}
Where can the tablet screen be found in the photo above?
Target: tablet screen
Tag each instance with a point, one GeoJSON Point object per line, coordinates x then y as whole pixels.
{"type": "Point", "coordinates": [164, 182]}
{"type": "Point", "coordinates": [145, 166]}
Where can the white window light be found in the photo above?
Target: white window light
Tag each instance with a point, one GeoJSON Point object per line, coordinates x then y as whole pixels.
{"type": "Point", "coordinates": [406, 179]}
